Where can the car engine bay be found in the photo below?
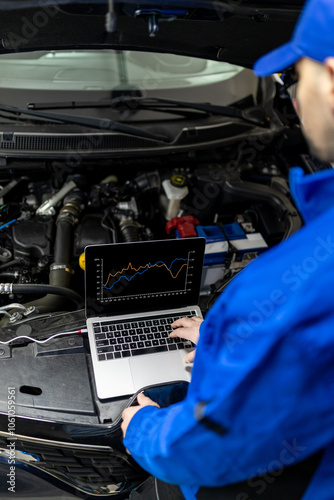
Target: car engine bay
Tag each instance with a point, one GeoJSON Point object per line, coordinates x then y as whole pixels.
{"type": "Point", "coordinates": [50, 211]}
{"type": "Point", "coordinates": [50, 215]}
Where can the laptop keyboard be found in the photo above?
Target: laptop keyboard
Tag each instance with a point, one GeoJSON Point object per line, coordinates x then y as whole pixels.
{"type": "Point", "coordinates": [149, 335]}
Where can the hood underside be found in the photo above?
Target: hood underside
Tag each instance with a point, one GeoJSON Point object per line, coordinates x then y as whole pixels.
{"type": "Point", "coordinates": [235, 31]}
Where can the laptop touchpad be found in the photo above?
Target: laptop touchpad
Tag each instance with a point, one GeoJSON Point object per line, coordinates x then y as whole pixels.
{"type": "Point", "coordinates": [157, 368]}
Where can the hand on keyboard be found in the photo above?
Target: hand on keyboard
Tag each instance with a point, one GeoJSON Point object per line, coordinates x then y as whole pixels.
{"type": "Point", "coordinates": [190, 331]}
{"type": "Point", "coordinates": [146, 335]}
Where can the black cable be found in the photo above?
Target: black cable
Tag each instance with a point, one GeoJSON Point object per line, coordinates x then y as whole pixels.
{"type": "Point", "coordinates": [231, 249]}
{"type": "Point", "coordinates": [287, 217]}
{"type": "Point", "coordinates": [11, 263]}
{"type": "Point", "coordinates": [50, 289]}
{"type": "Point", "coordinates": [222, 284]}
{"type": "Point", "coordinates": [50, 315]}
{"type": "Point", "coordinates": [111, 228]}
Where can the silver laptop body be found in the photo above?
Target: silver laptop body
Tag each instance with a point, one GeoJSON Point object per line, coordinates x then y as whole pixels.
{"type": "Point", "coordinates": [134, 291]}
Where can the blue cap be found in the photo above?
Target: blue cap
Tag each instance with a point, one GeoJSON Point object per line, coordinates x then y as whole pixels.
{"type": "Point", "coordinates": [313, 38]}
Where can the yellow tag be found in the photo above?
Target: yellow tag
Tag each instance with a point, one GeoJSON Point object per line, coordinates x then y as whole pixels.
{"type": "Point", "coordinates": [82, 261]}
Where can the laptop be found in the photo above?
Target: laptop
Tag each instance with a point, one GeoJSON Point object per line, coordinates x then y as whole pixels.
{"type": "Point", "coordinates": [134, 292]}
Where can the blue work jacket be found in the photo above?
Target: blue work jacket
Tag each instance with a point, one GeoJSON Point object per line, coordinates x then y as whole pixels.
{"type": "Point", "coordinates": [264, 368]}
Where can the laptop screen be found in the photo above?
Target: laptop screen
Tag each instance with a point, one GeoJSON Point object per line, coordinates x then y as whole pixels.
{"type": "Point", "coordinates": [143, 276]}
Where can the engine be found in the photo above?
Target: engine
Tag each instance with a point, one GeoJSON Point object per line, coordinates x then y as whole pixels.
{"type": "Point", "coordinates": [49, 216]}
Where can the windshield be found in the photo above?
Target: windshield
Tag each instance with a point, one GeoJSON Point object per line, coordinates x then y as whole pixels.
{"type": "Point", "coordinates": [108, 70]}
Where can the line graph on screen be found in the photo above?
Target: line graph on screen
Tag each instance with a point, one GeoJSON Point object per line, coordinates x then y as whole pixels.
{"type": "Point", "coordinates": [125, 273]}
{"type": "Point", "coordinates": [144, 276]}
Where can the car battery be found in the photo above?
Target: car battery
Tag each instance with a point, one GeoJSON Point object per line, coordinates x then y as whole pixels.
{"type": "Point", "coordinates": [218, 243]}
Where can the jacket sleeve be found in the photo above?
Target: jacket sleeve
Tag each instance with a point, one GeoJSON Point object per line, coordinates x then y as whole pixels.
{"type": "Point", "coordinates": [262, 386]}
{"type": "Point", "coordinates": [263, 411]}
{"type": "Point", "coordinates": [170, 444]}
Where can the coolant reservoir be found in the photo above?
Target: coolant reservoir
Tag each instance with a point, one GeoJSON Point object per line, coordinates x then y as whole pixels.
{"type": "Point", "coordinates": [175, 190]}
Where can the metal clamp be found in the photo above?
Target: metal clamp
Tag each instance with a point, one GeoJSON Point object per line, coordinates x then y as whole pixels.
{"type": "Point", "coordinates": [63, 267]}
{"type": "Point", "coordinates": [155, 16]}
{"type": "Point", "coordinates": [6, 288]}
{"type": "Point", "coordinates": [48, 207]}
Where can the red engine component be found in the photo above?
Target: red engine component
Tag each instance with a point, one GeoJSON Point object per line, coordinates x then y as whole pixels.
{"type": "Point", "coordinates": [186, 226]}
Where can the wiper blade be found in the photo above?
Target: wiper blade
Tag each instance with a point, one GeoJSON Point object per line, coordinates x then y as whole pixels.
{"type": "Point", "coordinates": [102, 124]}
{"type": "Point", "coordinates": [118, 104]}
{"type": "Point", "coordinates": [107, 103]}
{"type": "Point", "coordinates": [216, 109]}
{"type": "Point", "coordinates": [136, 103]}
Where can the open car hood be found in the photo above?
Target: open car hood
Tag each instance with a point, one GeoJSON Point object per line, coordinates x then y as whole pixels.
{"type": "Point", "coordinates": [235, 31]}
{"type": "Point", "coordinates": [132, 144]}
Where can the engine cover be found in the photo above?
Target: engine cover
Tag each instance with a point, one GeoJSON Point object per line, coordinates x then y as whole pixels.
{"type": "Point", "coordinates": [32, 238]}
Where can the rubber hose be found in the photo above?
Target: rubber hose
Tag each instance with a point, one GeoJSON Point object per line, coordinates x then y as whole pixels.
{"type": "Point", "coordinates": [60, 275]}
{"type": "Point", "coordinates": [63, 243]}
{"type": "Point", "coordinates": [129, 230]}
{"type": "Point", "coordinates": [50, 289]}
{"type": "Point", "coordinates": [11, 263]}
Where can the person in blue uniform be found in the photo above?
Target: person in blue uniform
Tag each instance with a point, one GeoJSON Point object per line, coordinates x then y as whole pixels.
{"type": "Point", "coordinates": [261, 398]}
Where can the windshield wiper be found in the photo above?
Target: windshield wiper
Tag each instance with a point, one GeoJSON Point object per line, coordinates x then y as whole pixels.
{"type": "Point", "coordinates": [102, 124]}
{"type": "Point", "coordinates": [135, 103]}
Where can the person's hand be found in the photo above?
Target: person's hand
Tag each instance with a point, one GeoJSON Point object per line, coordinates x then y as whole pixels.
{"type": "Point", "coordinates": [128, 413]}
{"type": "Point", "coordinates": [187, 328]}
